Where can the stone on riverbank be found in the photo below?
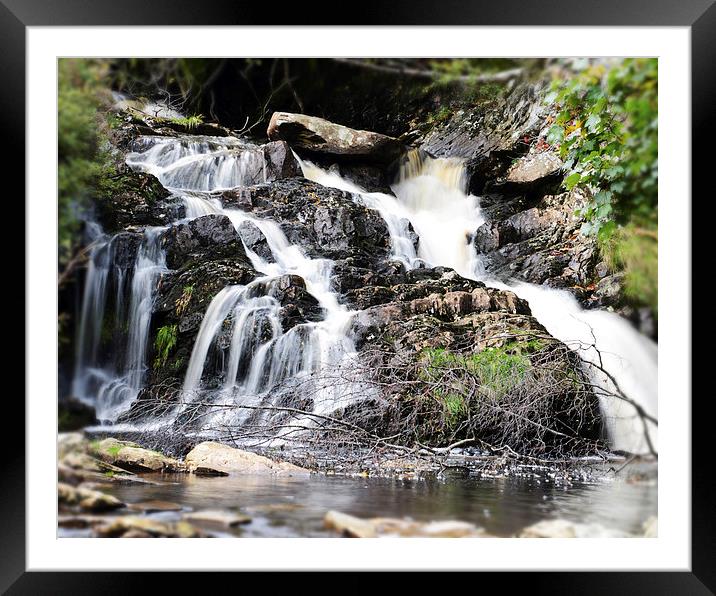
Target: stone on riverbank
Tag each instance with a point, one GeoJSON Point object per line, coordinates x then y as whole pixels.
{"type": "Point", "coordinates": [130, 456]}
{"type": "Point", "coordinates": [86, 499]}
{"type": "Point", "coordinates": [218, 458]}
{"type": "Point", "coordinates": [144, 527]}
{"type": "Point", "coordinates": [355, 527]}
{"type": "Point", "coordinates": [562, 528]}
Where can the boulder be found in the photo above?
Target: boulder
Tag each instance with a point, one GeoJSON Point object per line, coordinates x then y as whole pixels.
{"type": "Point", "coordinates": [130, 456]}
{"type": "Point", "coordinates": [279, 161]}
{"type": "Point", "coordinates": [222, 458]}
{"type": "Point", "coordinates": [254, 239]}
{"type": "Point", "coordinates": [321, 136]}
{"type": "Point", "coordinates": [324, 222]}
{"type": "Point", "coordinates": [208, 237]}
{"type": "Point", "coordinates": [533, 168]}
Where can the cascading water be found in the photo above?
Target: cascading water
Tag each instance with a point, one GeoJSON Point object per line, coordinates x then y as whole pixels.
{"type": "Point", "coordinates": [262, 360]}
{"type": "Point", "coordinates": [430, 194]}
{"type": "Point", "coordinates": [110, 381]}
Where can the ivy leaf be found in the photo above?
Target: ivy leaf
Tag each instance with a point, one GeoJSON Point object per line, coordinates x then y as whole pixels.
{"type": "Point", "coordinates": [572, 180]}
{"type": "Point", "coordinates": [555, 134]}
{"type": "Point", "coordinates": [593, 122]}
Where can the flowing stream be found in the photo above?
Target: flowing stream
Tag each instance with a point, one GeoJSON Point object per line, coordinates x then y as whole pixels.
{"type": "Point", "coordinates": [262, 358]}
{"type": "Point", "coordinates": [430, 194]}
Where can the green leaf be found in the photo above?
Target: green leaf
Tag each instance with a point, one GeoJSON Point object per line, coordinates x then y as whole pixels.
{"type": "Point", "coordinates": [555, 134]}
{"type": "Point", "coordinates": [572, 180]}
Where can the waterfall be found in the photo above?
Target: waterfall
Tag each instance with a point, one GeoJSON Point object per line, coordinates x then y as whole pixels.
{"type": "Point", "coordinates": [262, 362]}
{"type": "Point", "coordinates": [265, 363]}
{"type": "Point", "coordinates": [199, 163]}
{"type": "Point", "coordinates": [110, 378]}
{"type": "Point", "coordinates": [431, 195]}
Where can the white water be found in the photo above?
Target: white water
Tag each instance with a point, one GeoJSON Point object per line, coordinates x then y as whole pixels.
{"type": "Point", "coordinates": [431, 194]}
{"type": "Point", "coordinates": [199, 163]}
{"type": "Point", "coordinates": [262, 360]}
{"type": "Point", "coordinates": [111, 381]}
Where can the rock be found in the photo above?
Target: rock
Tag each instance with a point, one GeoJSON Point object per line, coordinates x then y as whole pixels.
{"type": "Point", "coordinates": [72, 414]}
{"type": "Point", "coordinates": [542, 245]}
{"type": "Point", "coordinates": [130, 198]}
{"type": "Point", "coordinates": [349, 526]}
{"type": "Point", "coordinates": [222, 458]}
{"type": "Point", "coordinates": [531, 168]}
{"type": "Point", "coordinates": [132, 457]}
{"type": "Point", "coordinates": [145, 527]}
{"type": "Point", "coordinates": [208, 237]}
{"type": "Point", "coordinates": [324, 222]}
{"type": "Point", "coordinates": [86, 499]}
{"type": "Point", "coordinates": [321, 136]}
{"type": "Point", "coordinates": [280, 161]}
{"type": "Point", "coordinates": [154, 506]}
{"type": "Point", "coordinates": [69, 443]}
{"type": "Point", "coordinates": [355, 527]}
{"type": "Point", "coordinates": [562, 528]}
{"type": "Point", "coordinates": [218, 517]}
{"type": "Point", "coordinates": [488, 138]}
{"type": "Point", "coordinates": [536, 172]}
{"type": "Point", "coordinates": [254, 239]}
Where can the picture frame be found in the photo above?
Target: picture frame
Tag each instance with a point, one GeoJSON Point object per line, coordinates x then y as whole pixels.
{"type": "Point", "coordinates": [700, 16]}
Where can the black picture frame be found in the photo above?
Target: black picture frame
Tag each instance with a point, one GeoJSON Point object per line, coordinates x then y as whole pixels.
{"type": "Point", "coordinates": [699, 15]}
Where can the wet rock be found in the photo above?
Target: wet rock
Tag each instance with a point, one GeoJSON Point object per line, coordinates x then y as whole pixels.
{"type": "Point", "coordinates": [222, 458]}
{"type": "Point", "coordinates": [354, 527]}
{"type": "Point", "coordinates": [218, 517]}
{"type": "Point", "coordinates": [145, 527]}
{"type": "Point", "coordinates": [132, 457]}
{"type": "Point", "coordinates": [255, 240]}
{"type": "Point", "coordinates": [154, 506]}
{"type": "Point", "coordinates": [541, 245]}
{"type": "Point", "coordinates": [325, 222]}
{"type": "Point", "coordinates": [562, 528]}
{"type": "Point", "coordinates": [207, 238]}
{"type": "Point", "coordinates": [128, 198]}
{"type": "Point", "coordinates": [279, 161]}
{"type": "Point", "coordinates": [321, 136]}
{"type": "Point", "coordinates": [86, 499]}
{"type": "Point", "coordinates": [489, 139]}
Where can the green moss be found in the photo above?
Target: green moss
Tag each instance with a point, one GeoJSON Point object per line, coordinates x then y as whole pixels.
{"type": "Point", "coordinates": [498, 371]}
{"type": "Point", "coordinates": [164, 343]}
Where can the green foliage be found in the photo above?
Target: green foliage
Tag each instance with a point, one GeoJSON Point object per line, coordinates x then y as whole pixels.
{"type": "Point", "coordinates": [498, 371]}
{"type": "Point", "coordinates": [189, 122]}
{"type": "Point", "coordinates": [83, 153]}
{"type": "Point", "coordinates": [164, 343]}
{"type": "Point", "coordinates": [634, 251]}
{"type": "Point", "coordinates": [606, 130]}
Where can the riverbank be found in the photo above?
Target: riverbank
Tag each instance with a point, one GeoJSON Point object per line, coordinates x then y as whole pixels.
{"type": "Point", "coordinates": [114, 488]}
